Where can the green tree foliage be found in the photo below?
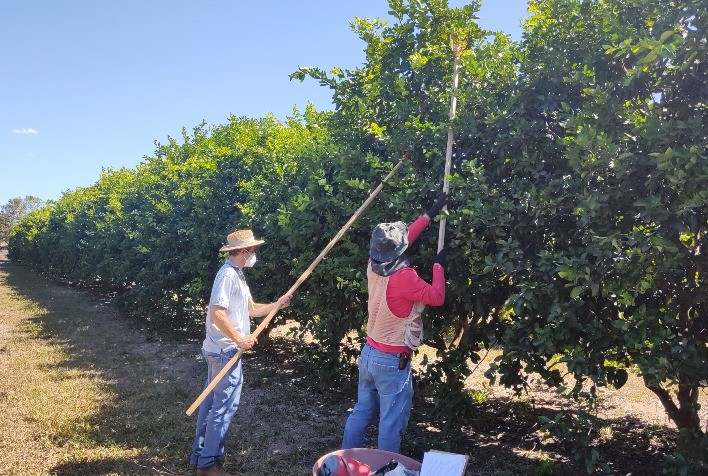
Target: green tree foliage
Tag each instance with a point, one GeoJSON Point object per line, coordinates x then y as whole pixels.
{"type": "Point", "coordinates": [13, 211]}
{"type": "Point", "coordinates": [631, 102]}
{"type": "Point", "coordinates": [399, 99]}
{"type": "Point", "coordinates": [579, 181]}
{"type": "Point", "coordinates": [150, 236]}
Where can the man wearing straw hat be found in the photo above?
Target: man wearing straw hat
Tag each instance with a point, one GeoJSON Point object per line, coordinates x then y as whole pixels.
{"type": "Point", "coordinates": [228, 329]}
{"type": "Point", "coordinates": [397, 297]}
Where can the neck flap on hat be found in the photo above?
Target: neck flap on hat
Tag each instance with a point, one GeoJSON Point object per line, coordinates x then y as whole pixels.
{"type": "Point", "coordinates": [387, 269]}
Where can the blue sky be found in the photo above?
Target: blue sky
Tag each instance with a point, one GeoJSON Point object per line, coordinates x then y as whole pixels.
{"type": "Point", "coordinates": [88, 84]}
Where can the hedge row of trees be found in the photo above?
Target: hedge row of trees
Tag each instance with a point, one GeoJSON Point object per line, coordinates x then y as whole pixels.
{"type": "Point", "coordinates": [150, 236]}
{"type": "Point", "coordinates": [13, 211]}
{"type": "Point", "coordinates": [579, 216]}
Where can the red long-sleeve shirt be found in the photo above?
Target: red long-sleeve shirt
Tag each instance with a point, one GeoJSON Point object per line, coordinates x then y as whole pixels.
{"type": "Point", "coordinates": [405, 287]}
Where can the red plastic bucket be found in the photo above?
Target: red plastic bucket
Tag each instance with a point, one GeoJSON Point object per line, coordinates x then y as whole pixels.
{"type": "Point", "coordinates": [374, 458]}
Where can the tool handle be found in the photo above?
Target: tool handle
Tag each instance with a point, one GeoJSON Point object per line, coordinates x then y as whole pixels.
{"type": "Point", "coordinates": [297, 284]}
{"type": "Point", "coordinates": [448, 150]}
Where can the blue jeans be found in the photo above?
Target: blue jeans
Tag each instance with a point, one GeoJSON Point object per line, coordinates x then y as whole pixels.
{"type": "Point", "coordinates": [217, 410]}
{"type": "Point", "coordinates": [382, 388]}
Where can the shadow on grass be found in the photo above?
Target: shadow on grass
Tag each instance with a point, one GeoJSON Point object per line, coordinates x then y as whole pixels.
{"type": "Point", "coordinates": [147, 382]}
{"type": "Point", "coordinates": [503, 437]}
{"type": "Point", "coordinates": [106, 466]}
{"type": "Point", "coordinates": [287, 418]}
{"type": "Point", "coordinates": [144, 387]}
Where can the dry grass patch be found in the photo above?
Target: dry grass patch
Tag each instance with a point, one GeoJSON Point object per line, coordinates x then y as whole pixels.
{"type": "Point", "coordinates": [82, 390]}
{"type": "Point", "coordinates": [91, 393]}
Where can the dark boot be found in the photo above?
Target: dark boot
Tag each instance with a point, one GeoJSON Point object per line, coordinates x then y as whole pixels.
{"type": "Point", "coordinates": [213, 470]}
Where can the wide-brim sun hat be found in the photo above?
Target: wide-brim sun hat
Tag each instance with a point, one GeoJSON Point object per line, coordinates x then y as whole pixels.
{"type": "Point", "coordinates": [388, 241]}
{"type": "Point", "coordinates": [240, 239]}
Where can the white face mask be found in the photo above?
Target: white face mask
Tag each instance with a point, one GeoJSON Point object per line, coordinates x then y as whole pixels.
{"type": "Point", "coordinates": [251, 261]}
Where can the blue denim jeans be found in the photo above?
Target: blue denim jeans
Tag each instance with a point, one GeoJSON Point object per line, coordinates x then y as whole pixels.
{"type": "Point", "coordinates": [383, 389]}
{"type": "Point", "coordinates": [217, 410]}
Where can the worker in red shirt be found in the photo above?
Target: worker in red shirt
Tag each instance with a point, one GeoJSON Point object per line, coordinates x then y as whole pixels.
{"type": "Point", "coordinates": [397, 297]}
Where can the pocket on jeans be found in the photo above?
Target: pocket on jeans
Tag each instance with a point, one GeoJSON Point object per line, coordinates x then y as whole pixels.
{"type": "Point", "coordinates": [386, 366]}
{"type": "Point", "coordinates": [389, 380]}
{"type": "Point", "coordinates": [211, 355]}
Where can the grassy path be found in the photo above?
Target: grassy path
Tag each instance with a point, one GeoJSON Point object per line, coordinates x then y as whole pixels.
{"type": "Point", "coordinates": [84, 393]}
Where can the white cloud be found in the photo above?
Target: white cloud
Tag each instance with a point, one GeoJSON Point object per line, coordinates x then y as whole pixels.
{"type": "Point", "coordinates": [29, 130]}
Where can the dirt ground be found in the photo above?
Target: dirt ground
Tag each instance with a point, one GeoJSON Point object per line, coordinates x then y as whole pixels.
{"type": "Point", "coordinates": [93, 393]}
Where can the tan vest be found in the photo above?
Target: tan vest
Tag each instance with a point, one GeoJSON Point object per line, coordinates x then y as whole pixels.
{"type": "Point", "coordinates": [383, 325]}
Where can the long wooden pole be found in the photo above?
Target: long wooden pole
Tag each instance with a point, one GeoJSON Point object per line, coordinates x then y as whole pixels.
{"type": "Point", "coordinates": [457, 47]}
{"type": "Point", "coordinates": [297, 284]}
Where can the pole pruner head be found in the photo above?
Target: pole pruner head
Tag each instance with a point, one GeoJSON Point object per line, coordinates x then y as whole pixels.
{"type": "Point", "coordinates": [458, 42]}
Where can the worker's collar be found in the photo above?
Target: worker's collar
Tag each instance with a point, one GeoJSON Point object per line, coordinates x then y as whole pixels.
{"type": "Point", "coordinates": [387, 269]}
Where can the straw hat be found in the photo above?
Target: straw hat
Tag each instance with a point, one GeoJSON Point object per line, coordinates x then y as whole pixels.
{"type": "Point", "coordinates": [240, 239]}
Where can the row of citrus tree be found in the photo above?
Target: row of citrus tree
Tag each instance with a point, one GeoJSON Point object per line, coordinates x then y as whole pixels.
{"type": "Point", "coordinates": [578, 217]}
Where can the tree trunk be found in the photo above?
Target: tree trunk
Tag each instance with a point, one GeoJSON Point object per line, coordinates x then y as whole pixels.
{"type": "Point", "coordinates": [684, 415]}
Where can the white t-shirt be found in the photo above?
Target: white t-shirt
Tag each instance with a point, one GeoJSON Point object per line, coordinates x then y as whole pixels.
{"type": "Point", "coordinates": [231, 292]}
